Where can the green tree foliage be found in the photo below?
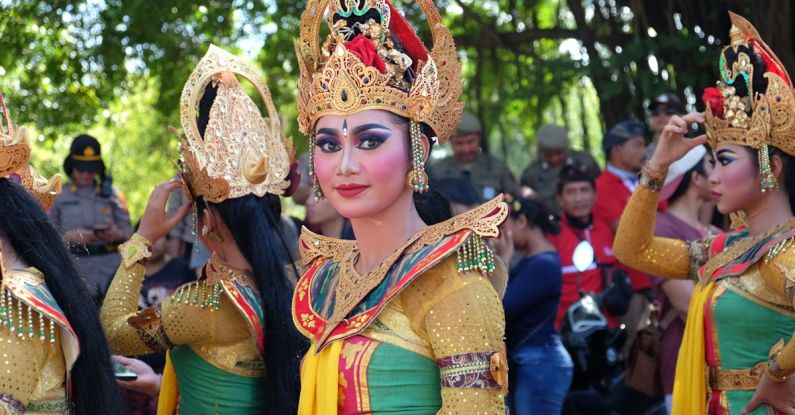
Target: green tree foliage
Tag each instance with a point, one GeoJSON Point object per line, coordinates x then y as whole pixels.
{"type": "Point", "coordinates": [116, 68]}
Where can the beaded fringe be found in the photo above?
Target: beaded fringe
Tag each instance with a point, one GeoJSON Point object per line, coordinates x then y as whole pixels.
{"type": "Point", "coordinates": [199, 294]}
{"type": "Point", "coordinates": [778, 248]}
{"type": "Point", "coordinates": [21, 318]}
{"type": "Point", "coordinates": [474, 255]}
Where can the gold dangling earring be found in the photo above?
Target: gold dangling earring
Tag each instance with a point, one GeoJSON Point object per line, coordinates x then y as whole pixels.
{"type": "Point", "coordinates": [417, 179]}
{"type": "Point", "coordinates": [768, 179]}
{"type": "Point", "coordinates": [317, 192]}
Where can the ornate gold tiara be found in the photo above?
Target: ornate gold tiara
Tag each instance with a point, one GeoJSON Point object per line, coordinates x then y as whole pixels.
{"type": "Point", "coordinates": [241, 152]}
{"type": "Point", "coordinates": [14, 159]}
{"type": "Point", "coordinates": [336, 81]}
{"type": "Point", "coordinates": [772, 112]}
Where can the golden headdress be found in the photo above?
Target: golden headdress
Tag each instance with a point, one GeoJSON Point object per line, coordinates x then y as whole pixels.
{"type": "Point", "coordinates": [753, 104]}
{"type": "Point", "coordinates": [241, 152]}
{"type": "Point", "coordinates": [15, 158]}
{"type": "Point", "coordinates": [373, 59]}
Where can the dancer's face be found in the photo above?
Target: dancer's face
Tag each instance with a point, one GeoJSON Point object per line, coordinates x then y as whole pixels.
{"type": "Point", "coordinates": [361, 161]}
{"type": "Point", "coordinates": [735, 178]}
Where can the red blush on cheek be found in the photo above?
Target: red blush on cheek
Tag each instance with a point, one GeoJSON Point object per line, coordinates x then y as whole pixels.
{"type": "Point", "coordinates": [739, 173]}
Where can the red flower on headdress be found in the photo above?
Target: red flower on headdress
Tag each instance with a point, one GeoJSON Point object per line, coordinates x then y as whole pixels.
{"type": "Point", "coordinates": [365, 50]}
{"type": "Point", "coordinates": [713, 98]}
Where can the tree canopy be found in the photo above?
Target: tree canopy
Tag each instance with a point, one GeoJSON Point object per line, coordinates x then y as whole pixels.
{"type": "Point", "coordinates": [116, 68]}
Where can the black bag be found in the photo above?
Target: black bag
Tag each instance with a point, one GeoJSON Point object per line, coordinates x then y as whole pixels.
{"type": "Point", "coordinates": [619, 293]}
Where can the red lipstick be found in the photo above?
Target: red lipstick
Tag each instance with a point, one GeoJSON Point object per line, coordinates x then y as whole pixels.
{"type": "Point", "coordinates": [715, 196]}
{"type": "Point", "coordinates": [350, 189]}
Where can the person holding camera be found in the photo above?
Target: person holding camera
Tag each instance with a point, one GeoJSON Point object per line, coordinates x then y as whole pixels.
{"type": "Point", "coordinates": [92, 215]}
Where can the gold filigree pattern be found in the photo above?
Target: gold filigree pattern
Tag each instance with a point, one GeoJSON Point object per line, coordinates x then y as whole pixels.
{"type": "Point", "coordinates": [241, 151]}
{"type": "Point", "coordinates": [14, 159]}
{"type": "Point", "coordinates": [772, 120]}
{"type": "Point", "coordinates": [340, 83]}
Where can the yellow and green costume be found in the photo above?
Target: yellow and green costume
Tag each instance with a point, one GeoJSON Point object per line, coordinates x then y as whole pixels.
{"type": "Point", "coordinates": [428, 323]}
{"type": "Point", "coordinates": [211, 329]}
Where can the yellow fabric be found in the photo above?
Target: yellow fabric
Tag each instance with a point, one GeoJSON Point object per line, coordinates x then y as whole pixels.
{"type": "Point", "coordinates": [169, 390]}
{"type": "Point", "coordinates": [319, 380]}
{"type": "Point", "coordinates": [690, 385]}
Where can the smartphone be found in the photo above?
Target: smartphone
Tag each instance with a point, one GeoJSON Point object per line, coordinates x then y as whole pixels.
{"type": "Point", "coordinates": [122, 373]}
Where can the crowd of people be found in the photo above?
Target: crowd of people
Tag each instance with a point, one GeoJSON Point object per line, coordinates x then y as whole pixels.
{"type": "Point", "coordinates": [660, 282]}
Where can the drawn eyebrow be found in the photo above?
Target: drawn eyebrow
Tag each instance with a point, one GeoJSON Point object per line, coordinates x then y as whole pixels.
{"type": "Point", "coordinates": [370, 126]}
{"type": "Point", "coordinates": [328, 131]}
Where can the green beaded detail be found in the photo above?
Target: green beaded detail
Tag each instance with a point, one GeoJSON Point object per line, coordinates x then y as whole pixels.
{"type": "Point", "coordinates": [199, 294]}
{"type": "Point", "coordinates": [475, 255]}
{"type": "Point", "coordinates": [24, 327]}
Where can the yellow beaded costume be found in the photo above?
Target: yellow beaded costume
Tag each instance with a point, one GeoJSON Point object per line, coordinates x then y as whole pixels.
{"type": "Point", "coordinates": [212, 327]}
{"type": "Point", "coordinates": [743, 307]}
{"type": "Point", "coordinates": [37, 343]}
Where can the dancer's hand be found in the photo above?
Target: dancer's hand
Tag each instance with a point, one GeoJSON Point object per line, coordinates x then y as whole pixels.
{"type": "Point", "coordinates": [156, 223]}
{"type": "Point", "coordinates": [672, 144]}
{"type": "Point", "coordinates": [781, 396]}
{"type": "Point", "coordinates": [148, 381]}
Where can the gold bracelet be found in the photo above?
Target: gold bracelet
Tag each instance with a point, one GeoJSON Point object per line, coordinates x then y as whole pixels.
{"type": "Point", "coordinates": [652, 183]}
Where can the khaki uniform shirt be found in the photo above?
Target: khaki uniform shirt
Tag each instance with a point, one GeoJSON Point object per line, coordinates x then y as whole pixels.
{"type": "Point", "coordinates": [83, 208]}
{"type": "Point", "coordinates": [488, 175]}
{"type": "Point", "coordinates": [543, 178]}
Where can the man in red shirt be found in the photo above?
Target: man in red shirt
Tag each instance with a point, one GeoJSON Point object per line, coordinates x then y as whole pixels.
{"type": "Point", "coordinates": [625, 146]}
{"type": "Point", "coordinates": [576, 195]}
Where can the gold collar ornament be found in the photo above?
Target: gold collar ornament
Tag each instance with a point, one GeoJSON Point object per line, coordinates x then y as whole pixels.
{"type": "Point", "coordinates": [748, 109]}
{"type": "Point", "coordinates": [15, 158]}
{"type": "Point", "coordinates": [242, 152]}
{"type": "Point", "coordinates": [359, 67]}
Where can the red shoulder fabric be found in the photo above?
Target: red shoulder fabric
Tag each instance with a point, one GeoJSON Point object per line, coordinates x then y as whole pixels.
{"type": "Point", "coordinates": [611, 198]}
{"type": "Point", "coordinates": [408, 37]}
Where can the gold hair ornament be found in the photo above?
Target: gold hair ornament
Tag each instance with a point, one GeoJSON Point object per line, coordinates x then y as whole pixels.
{"type": "Point", "coordinates": [14, 159]}
{"type": "Point", "coordinates": [772, 112]}
{"type": "Point", "coordinates": [242, 152]}
{"type": "Point", "coordinates": [335, 81]}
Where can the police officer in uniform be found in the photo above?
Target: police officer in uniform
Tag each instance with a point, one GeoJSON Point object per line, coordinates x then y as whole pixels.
{"type": "Point", "coordinates": [488, 175]}
{"type": "Point", "coordinates": [554, 152]}
{"type": "Point", "coordinates": [92, 215]}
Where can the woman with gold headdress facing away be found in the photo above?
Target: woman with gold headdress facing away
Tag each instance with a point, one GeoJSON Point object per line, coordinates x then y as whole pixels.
{"type": "Point", "coordinates": [54, 355]}
{"type": "Point", "coordinates": [231, 347]}
{"type": "Point", "coordinates": [405, 318]}
{"type": "Point", "coordinates": [737, 355]}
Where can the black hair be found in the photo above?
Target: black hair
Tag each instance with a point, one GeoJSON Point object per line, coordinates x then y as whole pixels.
{"type": "Point", "coordinates": [575, 173]}
{"type": "Point", "coordinates": [698, 168]}
{"type": "Point", "coordinates": [536, 213]}
{"type": "Point", "coordinates": [36, 240]}
{"type": "Point", "coordinates": [254, 223]}
{"type": "Point", "coordinates": [458, 190]}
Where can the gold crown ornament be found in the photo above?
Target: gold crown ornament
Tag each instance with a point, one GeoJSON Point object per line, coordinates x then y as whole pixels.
{"type": "Point", "coordinates": [14, 159]}
{"type": "Point", "coordinates": [241, 152]}
{"type": "Point", "coordinates": [746, 108]}
{"type": "Point", "coordinates": [360, 68]}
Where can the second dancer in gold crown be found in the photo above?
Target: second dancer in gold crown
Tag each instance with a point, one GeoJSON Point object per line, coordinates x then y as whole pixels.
{"type": "Point", "coordinates": [231, 346]}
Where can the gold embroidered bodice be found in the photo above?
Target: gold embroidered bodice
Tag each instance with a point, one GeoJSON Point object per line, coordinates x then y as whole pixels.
{"type": "Point", "coordinates": [200, 315]}
{"type": "Point", "coordinates": [449, 309]}
{"type": "Point", "coordinates": [33, 368]}
{"type": "Point", "coordinates": [768, 282]}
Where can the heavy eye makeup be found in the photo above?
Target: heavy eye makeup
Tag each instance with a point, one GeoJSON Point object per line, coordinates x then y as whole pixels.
{"type": "Point", "coordinates": [366, 137]}
{"type": "Point", "coordinates": [327, 141]}
{"type": "Point", "coordinates": [725, 157]}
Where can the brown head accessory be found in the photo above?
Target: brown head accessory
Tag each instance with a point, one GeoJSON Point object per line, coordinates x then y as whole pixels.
{"type": "Point", "coordinates": [15, 158]}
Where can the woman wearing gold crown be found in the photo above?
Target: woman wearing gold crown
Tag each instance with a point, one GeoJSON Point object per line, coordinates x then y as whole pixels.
{"type": "Point", "coordinates": [408, 306]}
{"type": "Point", "coordinates": [231, 346]}
{"type": "Point", "coordinates": [54, 355]}
{"type": "Point", "coordinates": [737, 354]}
